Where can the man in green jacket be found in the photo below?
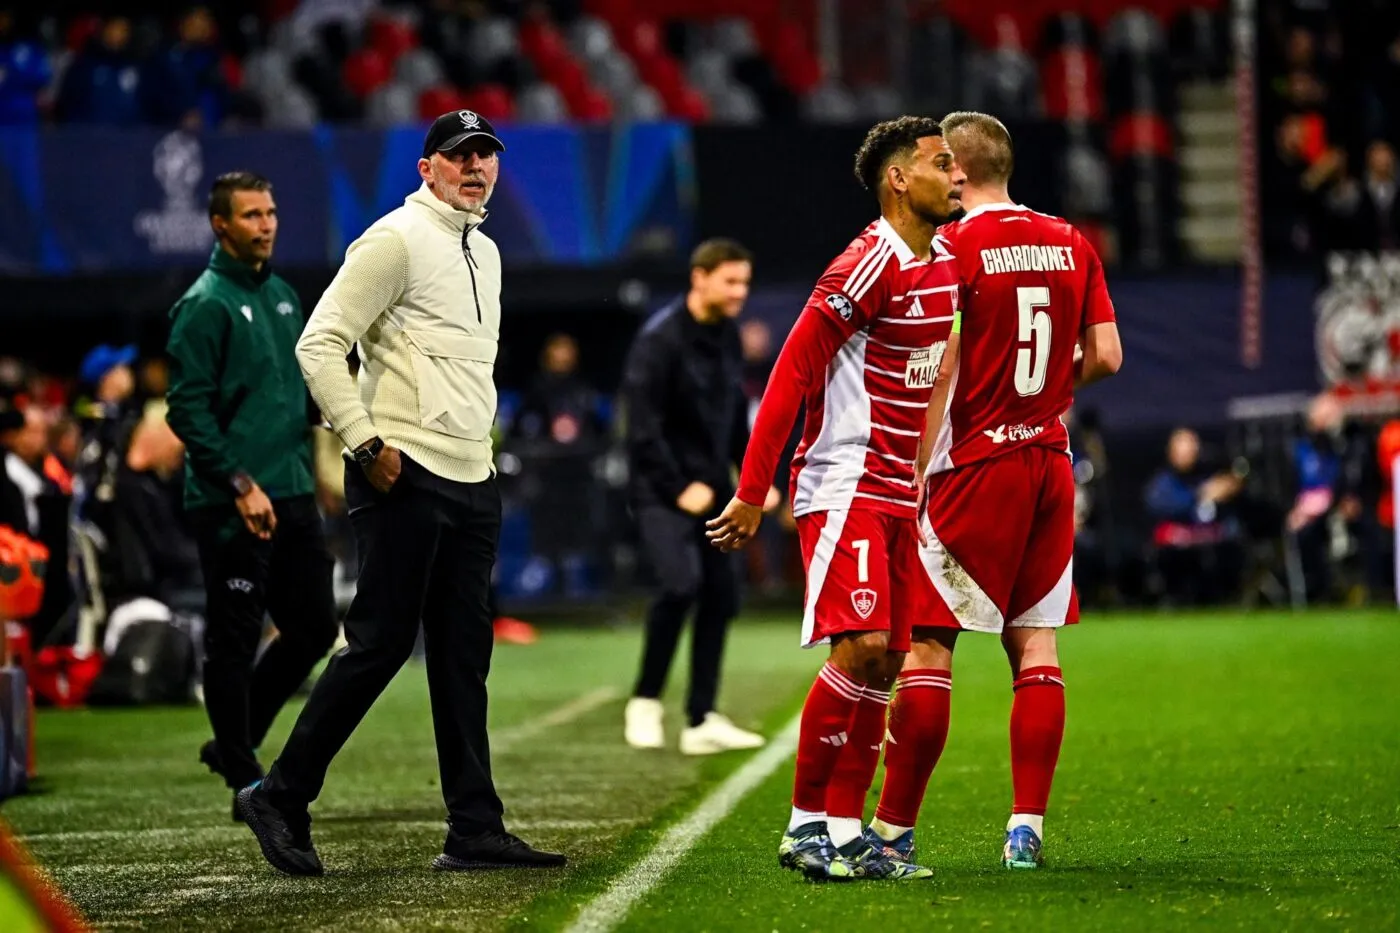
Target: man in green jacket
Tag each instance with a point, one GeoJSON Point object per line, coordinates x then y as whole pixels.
{"type": "Point", "coordinates": [238, 402]}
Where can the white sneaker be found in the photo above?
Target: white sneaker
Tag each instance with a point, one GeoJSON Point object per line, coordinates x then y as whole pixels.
{"type": "Point", "coordinates": [643, 728]}
{"type": "Point", "coordinates": [717, 734]}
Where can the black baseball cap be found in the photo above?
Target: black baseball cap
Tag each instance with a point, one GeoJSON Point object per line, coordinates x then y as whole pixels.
{"type": "Point", "coordinates": [452, 129]}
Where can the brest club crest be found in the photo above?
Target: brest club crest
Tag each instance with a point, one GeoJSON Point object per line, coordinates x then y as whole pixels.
{"type": "Point", "coordinates": [864, 601]}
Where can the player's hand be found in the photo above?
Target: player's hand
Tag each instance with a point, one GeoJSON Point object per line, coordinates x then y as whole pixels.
{"type": "Point", "coordinates": [256, 510]}
{"type": "Point", "coordinates": [384, 472]}
{"type": "Point", "coordinates": [920, 502]}
{"type": "Point", "coordinates": [736, 525]}
{"type": "Point", "coordinates": [772, 500]}
{"type": "Point", "coordinates": [696, 499]}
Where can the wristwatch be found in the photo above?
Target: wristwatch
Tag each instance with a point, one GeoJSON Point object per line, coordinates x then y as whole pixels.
{"type": "Point", "coordinates": [241, 483]}
{"type": "Point", "coordinates": [367, 453]}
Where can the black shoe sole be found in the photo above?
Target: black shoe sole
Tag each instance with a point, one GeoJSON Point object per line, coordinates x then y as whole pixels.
{"type": "Point", "coordinates": [445, 862]}
{"type": "Point", "coordinates": [261, 833]}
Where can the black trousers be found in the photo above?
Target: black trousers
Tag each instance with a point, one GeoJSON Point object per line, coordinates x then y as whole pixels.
{"type": "Point", "coordinates": [691, 573]}
{"type": "Point", "coordinates": [289, 578]}
{"type": "Point", "coordinates": [426, 549]}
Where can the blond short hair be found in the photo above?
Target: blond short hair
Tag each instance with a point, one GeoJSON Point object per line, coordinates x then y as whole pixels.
{"type": "Point", "coordinates": [981, 144]}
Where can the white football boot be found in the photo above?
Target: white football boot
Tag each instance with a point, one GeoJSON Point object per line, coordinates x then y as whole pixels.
{"type": "Point", "coordinates": [643, 723]}
{"type": "Point", "coordinates": [717, 734]}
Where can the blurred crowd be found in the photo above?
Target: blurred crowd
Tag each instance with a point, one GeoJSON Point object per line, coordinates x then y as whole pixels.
{"type": "Point", "coordinates": [1330, 103]}
{"type": "Point", "coordinates": [296, 62]}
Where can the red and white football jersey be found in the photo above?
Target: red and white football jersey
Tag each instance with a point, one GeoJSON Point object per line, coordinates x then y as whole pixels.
{"type": "Point", "coordinates": [1031, 285]}
{"type": "Point", "coordinates": [862, 357]}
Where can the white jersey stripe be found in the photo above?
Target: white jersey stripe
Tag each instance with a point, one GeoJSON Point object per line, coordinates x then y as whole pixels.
{"type": "Point", "coordinates": [872, 275]}
{"type": "Point", "coordinates": [822, 554]}
{"type": "Point", "coordinates": [916, 320]}
{"type": "Point", "coordinates": [927, 291]}
{"type": "Point", "coordinates": [871, 495]}
{"type": "Point", "coordinates": [834, 462]}
{"type": "Point", "coordinates": [885, 456]}
{"type": "Point", "coordinates": [901, 403]}
{"type": "Point", "coordinates": [885, 427]}
{"type": "Point", "coordinates": [861, 267]}
{"type": "Point", "coordinates": [968, 602]}
{"type": "Point", "coordinates": [895, 346]}
{"type": "Point", "coordinates": [883, 372]}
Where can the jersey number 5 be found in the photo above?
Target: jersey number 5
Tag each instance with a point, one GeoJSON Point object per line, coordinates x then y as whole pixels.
{"type": "Point", "coordinates": [1034, 330]}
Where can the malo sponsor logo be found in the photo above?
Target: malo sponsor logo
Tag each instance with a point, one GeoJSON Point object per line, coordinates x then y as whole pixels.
{"type": "Point", "coordinates": [922, 367]}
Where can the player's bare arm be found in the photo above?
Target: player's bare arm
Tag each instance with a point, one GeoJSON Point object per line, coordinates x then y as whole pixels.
{"type": "Point", "coordinates": [1102, 354]}
{"type": "Point", "coordinates": [933, 421]}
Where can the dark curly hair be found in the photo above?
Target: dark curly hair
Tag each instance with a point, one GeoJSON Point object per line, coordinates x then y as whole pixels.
{"type": "Point", "coordinates": [887, 141]}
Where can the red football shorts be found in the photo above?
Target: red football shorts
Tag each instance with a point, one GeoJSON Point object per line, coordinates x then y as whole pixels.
{"type": "Point", "coordinates": [863, 575]}
{"type": "Point", "coordinates": [1001, 543]}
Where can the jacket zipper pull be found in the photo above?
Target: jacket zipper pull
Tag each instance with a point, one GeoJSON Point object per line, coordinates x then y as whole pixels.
{"type": "Point", "coordinates": [471, 268]}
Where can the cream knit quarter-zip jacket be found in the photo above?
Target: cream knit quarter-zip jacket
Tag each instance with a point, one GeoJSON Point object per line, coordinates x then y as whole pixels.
{"type": "Point", "coordinates": [420, 292]}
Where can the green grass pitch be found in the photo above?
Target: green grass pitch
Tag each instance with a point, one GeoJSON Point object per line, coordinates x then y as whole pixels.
{"type": "Point", "coordinates": [1220, 771]}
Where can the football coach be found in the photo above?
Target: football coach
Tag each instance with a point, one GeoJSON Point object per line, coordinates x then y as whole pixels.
{"type": "Point", "coordinates": [420, 293]}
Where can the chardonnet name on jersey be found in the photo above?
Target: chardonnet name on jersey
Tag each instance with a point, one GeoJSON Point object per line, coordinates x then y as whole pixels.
{"type": "Point", "coordinates": [1027, 259]}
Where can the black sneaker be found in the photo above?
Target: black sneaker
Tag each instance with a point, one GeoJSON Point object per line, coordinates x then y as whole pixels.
{"type": "Point", "coordinates": [209, 756]}
{"type": "Point", "coordinates": [285, 838]}
{"type": "Point", "coordinates": [492, 849]}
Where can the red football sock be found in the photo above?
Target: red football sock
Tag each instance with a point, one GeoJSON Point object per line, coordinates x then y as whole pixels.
{"type": "Point", "coordinates": [855, 766]}
{"type": "Point", "coordinates": [918, 732]}
{"type": "Point", "coordinates": [1037, 726]}
{"type": "Point", "coordinates": [826, 728]}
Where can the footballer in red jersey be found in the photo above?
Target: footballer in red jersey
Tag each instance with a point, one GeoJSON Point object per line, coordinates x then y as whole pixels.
{"type": "Point", "coordinates": [996, 518]}
{"type": "Point", "coordinates": [861, 357]}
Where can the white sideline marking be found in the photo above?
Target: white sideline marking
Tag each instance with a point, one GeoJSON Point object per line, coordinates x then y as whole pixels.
{"type": "Point", "coordinates": [559, 716]}
{"type": "Point", "coordinates": [503, 740]}
{"type": "Point", "coordinates": [611, 907]}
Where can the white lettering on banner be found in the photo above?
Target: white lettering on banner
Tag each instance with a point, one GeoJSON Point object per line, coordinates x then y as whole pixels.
{"type": "Point", "coordinates": [922, 367]}
{"type": "Point", "coordinates": [180, 225]}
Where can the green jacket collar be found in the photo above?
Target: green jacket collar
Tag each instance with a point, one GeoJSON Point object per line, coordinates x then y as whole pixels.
{"type": "Point", "coordinates": [449, 217]}
{"type": "Point", "coordinates": [224, 264]}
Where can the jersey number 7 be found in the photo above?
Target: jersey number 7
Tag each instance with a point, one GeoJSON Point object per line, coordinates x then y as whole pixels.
{"type": "Point", "coordinates": [1034, 330]}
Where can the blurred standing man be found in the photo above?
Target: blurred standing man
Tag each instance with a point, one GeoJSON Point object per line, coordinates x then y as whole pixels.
{"type": "Point", "coordinates": [238, 403]}
{"type": "Point", "coordinates": [420, 292]}
{"type": "Point", "coordinates": [687, 427]}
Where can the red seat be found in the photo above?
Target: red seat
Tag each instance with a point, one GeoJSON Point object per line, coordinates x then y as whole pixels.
{"type": "Point", "coordinates": [365, 71]}
{"type": "Point", "coordinates": [80, 30]}
{"type": "Point", "coordinates": [491, 101]}
{"type": "Point", "coordinates": [1072, 83]}
{"type": "Point", "coordinates": [791, 54]}
{"type": "Point", "coordinates": [686, 103]}
{"type": "Point", "coordinates": [1141, 133]}
{"type": "Point", "coordinates": [231, 70]}
{"type": "Point", "coordinates": [391, 37]}
{"type": "Point", "coordinates": [437, 100]}
{"type": "Point", "coordinates": [640, 38]}
{"type": "Point", "coordinates": [587, 103]}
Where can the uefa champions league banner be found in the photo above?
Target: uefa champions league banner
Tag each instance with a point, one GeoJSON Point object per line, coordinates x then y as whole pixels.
{"type": "Point", "coordinates": [98, 200]}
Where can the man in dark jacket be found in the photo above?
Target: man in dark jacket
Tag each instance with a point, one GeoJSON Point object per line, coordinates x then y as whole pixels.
{"type": "Point", "coordinates": [687, 427]}
{"type": "Point", "coordinates": [238, 402]}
